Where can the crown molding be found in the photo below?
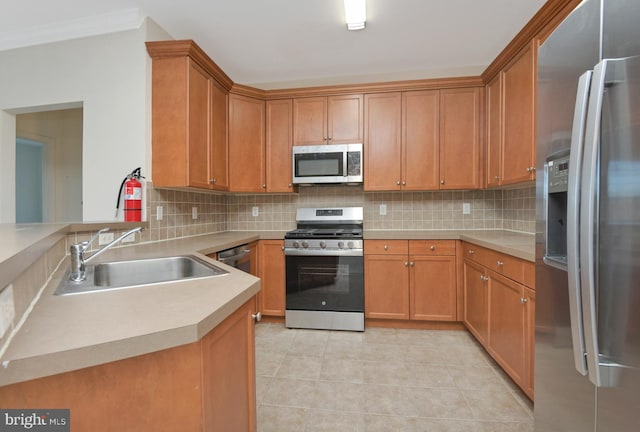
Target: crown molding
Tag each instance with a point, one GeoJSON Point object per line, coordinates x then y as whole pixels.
{"type": "Point", "coordinates": [127, 19]}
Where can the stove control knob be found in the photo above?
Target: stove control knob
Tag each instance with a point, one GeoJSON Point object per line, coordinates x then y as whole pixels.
{"type": "Point", "coordinates": [323, 244]}
{"type": "Point", "coordinates": [305, 244]}
{"type": "Point", "coordinates": [350, 245]}
{"type": "Point", "coordinates": [340, 245]}
{"type": "Point", "coordinates": [296, 244]}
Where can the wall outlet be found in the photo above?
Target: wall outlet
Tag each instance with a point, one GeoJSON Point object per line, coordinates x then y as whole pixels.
{"type": "Point", "coordinates": [194, 212]}
{"type": "Point", "coordinates": [159, 212]}
{"type": "Point", "coordinates": [466, 208]}
{"type": "Point", "coordinates": [383, 209]}
{"type": "Point", "coordinates": [255, 211]}
{"type": "Point", "coordinates": [7, 309]}
{"type": "Point", "coordinates": [130, 238]}
{"type": "Point", "coordinates": [105, 238]}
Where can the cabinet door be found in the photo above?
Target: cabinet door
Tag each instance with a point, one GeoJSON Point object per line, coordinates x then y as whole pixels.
{"type": "Point", "coordinates": [271, 264]}
{"type": "Point", "coordinates": [494, 130]}
{"type": "Point", "coordinates": [518, 155]}
{"type": "Point", "coordinates": [345, 123]}
{"type": "Point", "coordinates": [228, 374]}
{"type": "Point", "coordinates": [476, 301]}
{"type": "Point", "coordinates": [279, 139]}
{"type": "Point", "coordinates": [530, 331]}
{"type": "Point", "coordinates": [459, 138]}
{"type": "Point", "coordinates": [310, 121]}
{"type": "Point", "coordinates": [218, 149]}
{"type": "Point", "coordinates": [246, 144]}
{"type": "Point", "coordinates": [420, 139]}
{"type": "Point", "coordinates": [198, 129]}
{"type": "Point", "coordinates": [386, 286]}
{"type": "Point", "coordinates": [382, 141]}
{"type": "Point", "coordinates": [506, 325]}
{"type": "Point", "coordinates": [433, 287]}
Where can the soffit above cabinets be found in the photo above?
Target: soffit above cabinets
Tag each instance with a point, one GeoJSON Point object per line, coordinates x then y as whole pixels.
{"type": "Point", "coordinates": [292, 43]}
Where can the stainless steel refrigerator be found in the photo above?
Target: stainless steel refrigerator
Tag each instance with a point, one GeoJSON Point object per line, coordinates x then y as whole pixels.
{"type": "Point", "coordinates": [587, 360]}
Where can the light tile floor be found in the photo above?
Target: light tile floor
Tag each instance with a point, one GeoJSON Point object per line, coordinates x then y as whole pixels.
{"type": "Point", "coordinates": [382, 380]}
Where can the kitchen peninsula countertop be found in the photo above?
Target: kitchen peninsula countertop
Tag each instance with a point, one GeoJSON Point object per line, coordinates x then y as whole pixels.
{"type": "Point", "coordinates": [65, 333]}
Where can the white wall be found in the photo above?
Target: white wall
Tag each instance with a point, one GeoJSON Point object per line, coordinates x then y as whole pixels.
{"type": "Point", "coordinates": [110, 76]}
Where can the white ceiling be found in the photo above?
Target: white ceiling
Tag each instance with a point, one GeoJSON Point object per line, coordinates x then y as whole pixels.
{"type": "Point", "coordinates": [285, 43]}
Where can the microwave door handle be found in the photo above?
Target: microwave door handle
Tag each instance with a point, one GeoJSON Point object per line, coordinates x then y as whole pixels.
{"type": "Point", "coordinates": [573, 231]}
{"type": "Point", "coordinates": [345, 159]}
{"type": "Point", "coordinates": [589, 220]}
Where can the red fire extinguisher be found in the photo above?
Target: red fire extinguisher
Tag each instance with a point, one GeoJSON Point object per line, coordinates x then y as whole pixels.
{"type": "Point", "coordinates": [132, 196]}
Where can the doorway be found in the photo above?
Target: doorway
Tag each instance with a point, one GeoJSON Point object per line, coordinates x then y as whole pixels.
{"type": "Point", "coordinates": [29, 181]}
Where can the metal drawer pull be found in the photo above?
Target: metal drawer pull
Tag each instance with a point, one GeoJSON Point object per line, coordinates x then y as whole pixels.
{"type": "Point", "coordinates": [523, 300]}
{"type": "Point", "coordinates": [500, 263]}
{"type": "Point", "coordinates": [386, 247]}
{"type": "Point", "coordinates": [257, 316]}
{"type": "Point", "coordinates": [432, 247]}
{"type": "Point", "coordinates": [471, 251]}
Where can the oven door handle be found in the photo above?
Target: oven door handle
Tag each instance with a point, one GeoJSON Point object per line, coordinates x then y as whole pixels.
{"type": "Point", "coordinates": [305, 252]}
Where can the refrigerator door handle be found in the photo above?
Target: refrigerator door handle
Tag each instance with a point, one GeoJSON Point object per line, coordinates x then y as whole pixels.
{"type": "Point", "coordinates": [573, 222]}
{"type": "Point", "coordinates": [589, 220]}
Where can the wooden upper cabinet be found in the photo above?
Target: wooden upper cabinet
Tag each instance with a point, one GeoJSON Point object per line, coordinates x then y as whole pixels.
{"type": "Point", "coordinates": [460, 138]}
{"type": "Point", "coordinates": [279, 140]}
{"type": "Point", "coordinates": [189, 119]}
{"type": "Point", "coordinates": [328, 120]}
{"type": "Point", "coordinates": [218, 148]}
{"type": "Point", "coordinates": [382, 141]}
{"type": "Point", "coordinates": [246, 144]}
{"type": "Point", "coordinates": [518, 154]}
{"type": "Point", "coordinates": [420, 140]}
{"type": "Point", "coordinates": [494, 131]}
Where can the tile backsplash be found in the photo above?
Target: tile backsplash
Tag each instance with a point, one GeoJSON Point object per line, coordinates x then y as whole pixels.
{"type": "Point", "coordinates": [511, 209]}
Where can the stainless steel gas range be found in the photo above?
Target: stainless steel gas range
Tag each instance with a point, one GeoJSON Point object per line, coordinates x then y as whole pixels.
{"type": "Point", "coordinates": [325, 270]}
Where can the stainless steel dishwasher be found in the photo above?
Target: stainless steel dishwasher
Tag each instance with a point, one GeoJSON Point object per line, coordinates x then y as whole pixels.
{"type": "Point", "coordinates": [238, 257]}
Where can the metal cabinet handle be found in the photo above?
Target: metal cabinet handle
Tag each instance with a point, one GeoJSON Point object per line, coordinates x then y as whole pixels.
{"type": "Point", "coordinates": [432, 247]}
{"type": "Point", "coordinates": [290, 185]}
{"type": "Point", "coordinates": [406, 264]}
{"type": "Point", "coordinates": [523, 300]}
{"type": "Point", "coordinates": [404, 183]}
{"type": "Point", "coordinates": [398, 182]}
{"type": "Point", "coordinates": [484, 278]}
{"type": "Point", "coordinates": [264, 186]}
{"type": "Point", "coordinates": [441, 181]}
{"type": "Point", "coordinates": [213, 181]}
{"type": "Point", "coordinates": [412, 264]}
{"type": "Point", "coordinates": [471, 251]}
{"type": "Point", "coordinates": [282, 247]}
{"type": "Point", "coordinates": [386, 247]}
{"type": "Point", "coordinates": [500, 263]}
{"type": "Point", "coordinates": [497, 177]}
{"type": "Point", "coordinates": [257, 316]}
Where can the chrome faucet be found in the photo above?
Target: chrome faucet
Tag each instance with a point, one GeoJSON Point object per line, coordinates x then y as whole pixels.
{"type": "Point", "coordinates": [77, 251]}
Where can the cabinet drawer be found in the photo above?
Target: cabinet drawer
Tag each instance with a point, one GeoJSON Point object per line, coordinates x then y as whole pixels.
{"type": "Point", "coordinates": [432, 247]}
{"type": "Point", "coordinates": [507, 265]}
{"type": "Point", "coordinates": [382, 247]}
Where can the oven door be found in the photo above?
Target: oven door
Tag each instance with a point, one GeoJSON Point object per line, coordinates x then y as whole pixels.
{"type": "Point", "coordinates": [325, 283]}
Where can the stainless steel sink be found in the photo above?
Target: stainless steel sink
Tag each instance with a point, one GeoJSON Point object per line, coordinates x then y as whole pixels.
{"type": "Point", "coordinates": [135, 273]}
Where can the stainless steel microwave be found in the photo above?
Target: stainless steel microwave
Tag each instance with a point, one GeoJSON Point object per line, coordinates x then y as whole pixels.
{"type": "Point", "coordinates": [334, 163]}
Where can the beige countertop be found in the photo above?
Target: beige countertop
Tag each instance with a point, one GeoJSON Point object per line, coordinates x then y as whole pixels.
{"type": "Point", "coordinates": [65, 333]}
{"type": "Point", "coordinates": [517, 244]}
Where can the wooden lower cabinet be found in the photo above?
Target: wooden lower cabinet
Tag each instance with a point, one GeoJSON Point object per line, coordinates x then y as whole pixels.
{"type": "Point", "coordinates": [208, 385]}
{"type": "Point", "coordinates": [385, 286]}
{"type": "Point", "coordinates": [499, 310]}
{"type": "Point", "coordinates": [410, 280]}
{"type": "Point", "coordinates": [272, 272]}
{"type": "Point", "coordinates": [476, 301]}
{"type": "Point", "coordinates": [432, 288]}
{"type": "Point", "coordinates": [507, 338]}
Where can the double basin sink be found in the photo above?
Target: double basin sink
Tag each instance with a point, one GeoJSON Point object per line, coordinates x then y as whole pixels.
{"type": "Point", "coordinates": [136, 273]}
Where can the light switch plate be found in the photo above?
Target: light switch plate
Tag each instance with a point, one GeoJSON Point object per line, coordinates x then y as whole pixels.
{"type": "Point", "coordinates": [466, 208]}
{"type": "Point", "coordinates": [159, 212]}
{"type": "Point", "coordinates": [383, 209]}
{"type": "Point", "coordinates": [130, 238]}
{"type": "Point", "coordinates": [105, 238]}
{"type": "Point", "coordinates": [255, 211]}
{"type": "Point", "coordinates": [7, 309]}
{"type": "Point", "coordinates": [194, 212]}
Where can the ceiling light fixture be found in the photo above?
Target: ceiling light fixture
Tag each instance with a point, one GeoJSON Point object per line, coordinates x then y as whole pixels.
{"type": "Point", "coordinates": [355, 13]}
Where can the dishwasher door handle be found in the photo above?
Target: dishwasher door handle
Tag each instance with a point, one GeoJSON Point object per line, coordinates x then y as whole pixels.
{"type": "Point", "coordinates": [233, 258]}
